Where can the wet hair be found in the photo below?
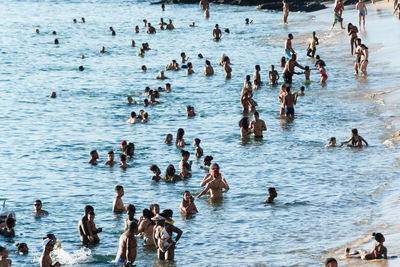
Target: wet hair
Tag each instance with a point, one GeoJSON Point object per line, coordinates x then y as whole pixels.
{"type": "Point", "coordinates": [200, 56]}
{"type": "Point", "coordinates": [307, 68]}
{"type": "Point", "coordinates": [271, 190]}
{"type": "Point", "coordinates": [168, 136]}
{"type": "Point", "coordinates": [378, 236]}
{"type": "Point", "coordinates": [185, 153]}
{"type": "Point", "coordinates": [186, 165]}
{"type": "Point", "coordinates": [288, 89]}
{"type": "Point", "coordinates": [10, 222]}
{"type": "Point", "coordinates": [257, 67]}
{"type": "Point", "coordinates": [328, 262]}
{"type": "Point", "coordinates": [52, 236]}
{"type": "Point", "coordinates": [87, 209]}
{"type": "Point", "coordinates": [290, 35]}
{"type": "Point", "coordinates": [39, 201]}
{"type": "Point", "coordinates": [122, 157]}
{"type": "Point", "coordinates": [283, 60]}
{"type": "Point", "coordinates": [349, 27]}
{"type": "Point", "coordinates": [168, 84]}
{"type": "Point", "coordinates": [91, 154]}
{"type": "Point", "coordinates": [208, 158]}
{"type": "Point", "coordinates": [189, 64]}
{"type": "Point", "coordinates": [118, 187]}
{"type": "Point", "coordinates": [170, 171]}
{"type": "Point", "coordinates": [227, 30]}
{"type": "Point", "coordinates": [54, 32]}
{"type": "Point", "coordinates": [145, 115]}
{"type": "Point", "coordinates": [197, 141]}
{"type": "Point", "coordinates": [91, 213]}
{"type": "Point", "coordinates": [302, 88]}
{"type": "Point", "coordinates": [317, 57]}
{"type": "Point", "coordinates": [179, 134]}
{"type": "Point", "coordinates": [154, 168]}
{"type": "Point", "coordinates": [248, 78]}
{"type": "Point", "coordinates": [148, 215]}
{"type": "Point", "coordinates": [244, 122]}
{"type": "Point", "coordinates": [56, 41]}
{"type": "Point", "coordinates": [146, 102]}
{"type": "Point", "coordinates": [133, 114]}
{"type": "Point", "coordinates": [131, 208]}
{"type": "Point", "coordinates": [167, 213]}
{"type": "Point", "coordinates": [81, 68]}
{"type": "Point", "coordinates": [130, 149]}
{"type": "Point", "coordinates": [183, 54]}
{"type": "Point", "coordinates": [208, 62]}
{"type": "Point", "coordinates": [110, 152]}
{"type": "Point", "coordinates": [143, 67]}
{"type": "Point", "coordinates": [354, 131]}
{"type": "Point", "coordinates": [364, 46]}
{"type": "Point", "coordinates": [256, 113]}
{"type": "Point", "coordinates": [332, 139]}
{"type": "Point", "coordinates": [152, 206]}
{"type": "Point", "coordinates": [21, 246]}
{"type": "Point", "coordinates": [216, 25]}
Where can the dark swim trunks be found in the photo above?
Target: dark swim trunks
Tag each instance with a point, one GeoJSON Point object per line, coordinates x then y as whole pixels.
{"type": "Point", "coordinates": [289, 111]}
{"type": "Point", "coordinates": [287, 77]}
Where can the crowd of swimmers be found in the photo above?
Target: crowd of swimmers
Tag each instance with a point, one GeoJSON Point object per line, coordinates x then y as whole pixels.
{"type": "Point", "coordinates": [157, 228]}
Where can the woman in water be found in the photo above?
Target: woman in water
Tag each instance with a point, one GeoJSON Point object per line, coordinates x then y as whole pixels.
{"type": "Point", "coordinates": [162, 236]}
{"type": "Point", "coordinates": [179, 138]}
{"type": "Point", "coordinates": [207, 162]}
{"type": "Point", "coordinates": [352, 31]}
{"type": "Point", "coordinates": [378, 252]}
{"type": "Point", "coordinates": [323, 74]}
{"type": "Point", "coordinates": [245, 131]}
{"type": "Point", "coordinates": [170, 175]}
{"type": "Point", "coordinates": [355, 139]}
{"type": "Point", "coordinates": [364, 60]}
{"type": "Point", "coordinates": [145, 227]}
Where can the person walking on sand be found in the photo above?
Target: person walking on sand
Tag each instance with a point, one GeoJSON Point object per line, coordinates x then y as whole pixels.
{"type": "Point", "coordinates": [337, 13]}
{"type": "Point", "coordinates": [286, 10]}
{"type": "Point", "coordinates": [362, 11]}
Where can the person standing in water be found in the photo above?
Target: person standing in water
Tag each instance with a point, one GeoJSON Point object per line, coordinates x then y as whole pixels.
{"type": "Point", "coordinates": [337, 13]}
{"type": "Point", "coordinates": [82, 226]}
{"type": "Point", "coordinates": [312, 47]}
{"type": "Point", "coordinates": [217, 33]}
{"type": "Point", "coordinates": [37, 206]}
{"type": "Point", "coordinates": [289, 68]}
{"type": "Point", "coordinates": [45, 259]}
{"type": "Point", "coordinates": [289, 100]}
{"type": "Point", "coordinates": [258, 126]}
{"type": "Point", "coordinates": [126, 254]}
{"type": "Point", "coordinates": [215, 183]}
{"type": "Point", "coordinates": [288, 47]}
{"type": "Point", "coordinates": [286, 10]}
{"type": "Point", "coordinates": [362, 11]}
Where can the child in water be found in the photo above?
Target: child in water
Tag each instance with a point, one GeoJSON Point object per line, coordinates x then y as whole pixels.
{"type": "Point", "coordinates": [332, 142]}
{"type": "Point", "coordinates": [199, 150]}
{"type": "Point", "coordinates": [378, 252]}
{"type": "Point", "coordinates": [273, 76]}
{"type": "Point", "coordinates": [93, 231]}
{"type": "Point", "coordinates": [168, 139]}
{"type": "Point", "coordinates": [307, 72]}
{"type": "Point", "coordinates": [272, 195]}
{"type": "Point", "coordinates": [355, 139]}
{"type": "Point", "coordinates": [118, 204]}
{"type": "Point", "coordinates": [154, 168]}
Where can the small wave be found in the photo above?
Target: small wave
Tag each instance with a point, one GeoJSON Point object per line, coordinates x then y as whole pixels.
{"type": "Point", "coordinates": [83, 255]}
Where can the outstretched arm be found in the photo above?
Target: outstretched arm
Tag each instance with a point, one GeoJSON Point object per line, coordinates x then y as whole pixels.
{"type": "Point", "coordinates": [204, 191]}
{"type": "Point", "coordinates": [346, 142]}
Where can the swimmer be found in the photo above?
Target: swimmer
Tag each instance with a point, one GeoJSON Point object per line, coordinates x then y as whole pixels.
{"type": "Point", "coordinates": [144, 68]}
{"type": "Point", "coordinates": [45, 259]}
{"type": "Point", "coordinates": [92, 230]}
{"type": "Point", "coordinates": [378, 252]}
{"type": "Point", "coordinates": [145, 23]}
{"type": "Point", "coordinates": [272, 195]}
{"type": "Point", "coordinates": [123, 146]}
{"type": "Point", "coordinates": [56, 41]}
{"type": "Point", "coordinates": [215, 183]}
{"type": "Point", "coordinates": [189, 70]}
{"type": "Point", "coordinates": [130, 212]}
{"type": "Point", "coordinates": [122, 160]}
{"type": "Point", "coordinates": [300, 92]}
{"type": "Point", "coordinates": [331, 262]}
{"type": "Point", "coordinates": [113, 33]}
{"type": "Point", "coordinates": [247, 21]}
{"type": "Point", "coordinates": [103, 50]}
{"type": "Point", "coordinates": [37, 31]}
{"type": "Point", "coordinates": [110, 161]}
{"type": "Point", "coordinates": [217, 33]}
{"type": "Point", "coordinates": [156, 171]}
{"type": "Point", "coordinates": [245, 129]}
{"type": "Point", "coordinates": [358, 54]}
{"type": "Point", "coordinates": [273, 76]}
{"type": "Point", "coordinates": [145, 118]}
{"type": "Point", "coordinates": [200, 56]}
{"type": "Point", "coordinates": [337, 13]}
{"type": "Point", "coordinates": [133, 43]}
{"type": "Point", "coordinates": [257, 76]}
{"type": "Point", "coordinates": [227, 69]}
{"type": "Point", "coordinates": [118, 204]}
{"type": "Point", "coordinates": [286, 10]}
{"type": "Point", "coordinates": [37, 208]}
{"type": "Point", "coordinates": [150, 29]}
{"type": "Point", "coordinates": [162, 7]}
{"type": "Point", "coordinates": [153, 95]}
{"type": "Point", "coordinates": [245, 101]}
{"type": "Point", "coordinates": [289, 100]}
{"type": "Point", "coordinates": [162, 236]}
{"type": "Point", "coordinates": [207, 12]}
{"type": "Point", "coordinates": [355, 139]}
{"type": "Point", "coordinates": [167, 87]}
{"type": "Point", "coordinates": [192, 25]}
{"type": "Point", "coordinates": [170, 175]}
{"type": "Point", "coordinates": [22, 248]}
{"type": "Point", "coordinates": [83, 20]}
{"type": "Point", "coordinates": [312, 46]}
{"type": "Point", "coordinates": [184, 58]}
{"type": "Point", "coordinates": [82, 226]}
{"type": "Point", "coordinates": [54, 32]}
{"type": "Point", "coordinates": [130, 150]}
{"type": "Point", "coordinates": [170, 26]}
{"type": "Point", "coordinates": [190, 111]}
{"type": "Point", "coordinates": [207, 162]}
{"type": "Point", "coordinates": [288, 47]}
{"type": "Point", "coordinates": [184, 174]}
{"type": "Point", "coordinates": [199, 150]}
{"type": "Point", "coordinates": [362, 12]}
{"type": "Point", "coordinates": [258, 126]}
{"type": "Point", "coordinates": [187, 206]}
{"type": "Point", "coordinates": [364, 60]}
{"type": "Point", "coordinates": [81, 68]}
{"type": "Point", "coordinates": [133, 119]}
{"type": "Point", "coordinates": [74, 20]}
{"type": "Point", "coordinates": [332, 142]}
{"type": "Point", "coordinates": [161, 76]}
{"type": "Point", "coordinates": [8, 231]}
{"type": "Point", "coordinates": [185, 157]}
{"type": "Point", "coordinates": [94, 156]}
{"type": "Point", "coordinates": [53, 95]}
{"type": "Point", "coordinates": [162, 22]}
{"type": "Point", "coordinates": [172, 66]}
{"type": "Point", "coordinates": [227, 31]}
{"type": "Point", "coordinates": [129, 100]}
{"type": "Point", "coordinates": [127, 246]}
{"type": "Point", "coordinates": [282, 63]}
{"type": "Point", "coordinates": [168, 139]}
{"type": "Point", "coordinates": [137, 29]}
{"type": "Point", "coordinates": [141, 52]}
{"type": "Point", "coordinates": [208, 69]}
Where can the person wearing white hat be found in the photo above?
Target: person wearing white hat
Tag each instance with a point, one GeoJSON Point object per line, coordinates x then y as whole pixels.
{"type": "Point", "coordinates": [162, 236]}
{"type": "Point", "coordinates": [45, 260]}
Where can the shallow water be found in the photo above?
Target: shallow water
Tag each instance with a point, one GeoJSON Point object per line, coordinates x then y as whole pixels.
{"type": "Point", "coordinates": [326, 197]}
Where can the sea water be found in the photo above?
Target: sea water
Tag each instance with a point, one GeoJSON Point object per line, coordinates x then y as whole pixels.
{"type": "Point", "coordinates": [326, 196]}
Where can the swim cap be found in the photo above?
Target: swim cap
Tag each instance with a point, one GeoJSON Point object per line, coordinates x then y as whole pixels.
{"type": "Point", "coordinates": [123, 142]}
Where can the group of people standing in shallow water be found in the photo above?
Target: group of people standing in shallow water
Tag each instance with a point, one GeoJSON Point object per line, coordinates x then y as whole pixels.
{"type": "Point", "coordinates": [157, 228]}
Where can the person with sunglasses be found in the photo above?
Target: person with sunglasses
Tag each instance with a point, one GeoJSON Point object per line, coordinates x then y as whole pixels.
{"type": "Point", "coordinates": [37, 208]}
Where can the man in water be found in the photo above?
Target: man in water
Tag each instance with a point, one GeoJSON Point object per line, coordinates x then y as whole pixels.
{"type": "Point", "coordinates": [37, 208]}
{"type": "Point", "coordinates": [215, 183]}
{"type": "Point", "coordinates": [337, 14]}
{"type": "Point", "coordinates": [126, 254]}
{"type": "Point", "coordinates": [110, 162]}
{"type": "Point", "coordinates": [217, 33]}
{"type": "Point", "coordinates": [133, 119]}
{"type": "Point", "coordinates": [258, 126]}
{"type": "Point", "coordinates": [93, 157]}
{"type": "Point", "coordinates": [288, 47]}
{"type": "Point", "coordinates": [362, 11]}
{"type": "Point", "coordinates": [288, 102]}
{"type": "Point", "coordinates": [312, 46]}
{"type": "Point", "coordinates": [289, 68]}
{"type": "Point", "coordinates": [257, 76]}
{"type": "Point", "coordinates": [45, 259]}
{"type": "Point", "coordinates": [118, 204]}
{"type": "Point", "coordinates": [83, 225]}
{"type": "Point", "coordinates": [150, 29]}
{"type": "Point", "coordinates": [285, 10]}
{"type": "Point", "coordinates": [208, 69]}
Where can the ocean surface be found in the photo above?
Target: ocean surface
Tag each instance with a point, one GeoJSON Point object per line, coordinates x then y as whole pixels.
{"type": "Point", "coordinates": [327, 197]}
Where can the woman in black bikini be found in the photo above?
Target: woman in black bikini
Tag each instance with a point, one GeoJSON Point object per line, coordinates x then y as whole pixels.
{"type": "Point", "coordinates": [355, 139]}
